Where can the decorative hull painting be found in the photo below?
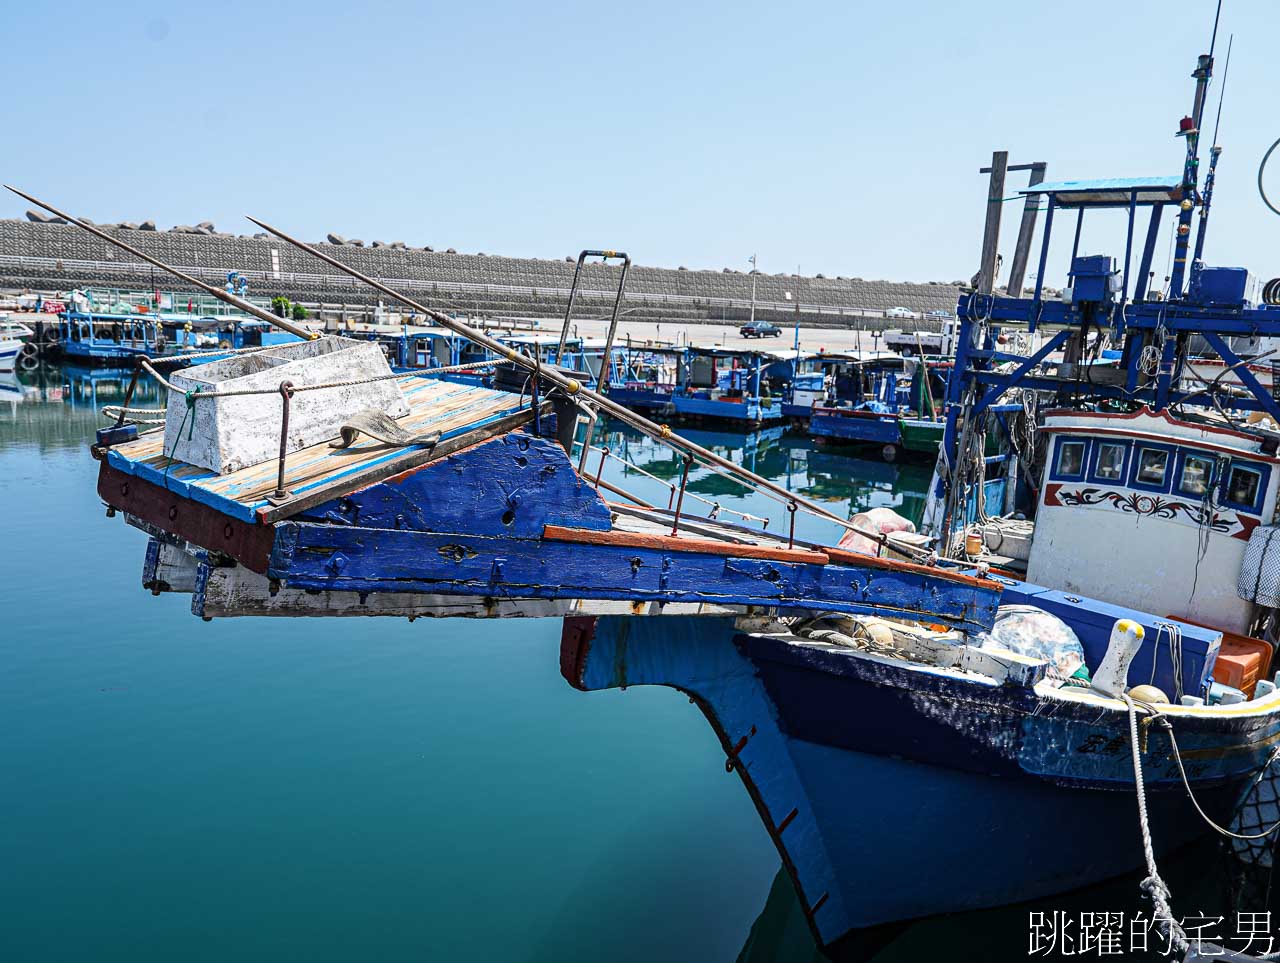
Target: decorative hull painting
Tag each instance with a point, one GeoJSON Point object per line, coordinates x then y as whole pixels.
{"type": "Point", "coordinates": [895, 792]}
{"type": "Point", "coordinates": [1221, 520]}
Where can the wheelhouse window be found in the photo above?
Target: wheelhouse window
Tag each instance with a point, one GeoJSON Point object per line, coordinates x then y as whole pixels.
{"type": "Point", "coordinates": [1152, 465]}
{"type": "Point", "coordinates": [1070, 458]}
{"type": "Point", "coordinates": [1243, 485]}
{"type": "Point", "coordinates": [1110, 463]}
{"type": "Point", "coordinates": [1197, 475]}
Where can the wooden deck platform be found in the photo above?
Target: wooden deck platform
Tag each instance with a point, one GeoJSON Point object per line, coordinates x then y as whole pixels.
{"type": "Point", "coordinates": [451, 409]}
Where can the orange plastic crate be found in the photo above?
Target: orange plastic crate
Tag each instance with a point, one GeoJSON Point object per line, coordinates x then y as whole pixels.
{"type": "Point", "coordinates": [1242, 660]}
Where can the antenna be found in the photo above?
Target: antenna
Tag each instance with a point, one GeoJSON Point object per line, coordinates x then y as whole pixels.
{"type": "Point", "coordinates": [1222, 94]}
{"type": "Point", "coordinates": [1213, 40]}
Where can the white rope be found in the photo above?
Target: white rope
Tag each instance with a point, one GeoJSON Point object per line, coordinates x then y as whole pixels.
{"type": "Point", "coordinates": [138, 416]}
{"type": "Point", "coordinates": [1177, 755]}
{"type": "Point", "coordinates": [1155, 887]}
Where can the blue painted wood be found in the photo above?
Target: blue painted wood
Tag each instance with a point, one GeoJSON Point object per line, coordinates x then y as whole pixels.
{"type": "Point", "coordinates": [745, 410]}
{"type": "Point", "coordinates": [183, 479]}
{"type": "Point", "coordinates": [1092, 621]}
{"type": "Point", "coordinates": [511, 486]}
{"type": "Point", "coordinates": [326, 556]}
{"type": "Point", "coordinates": [855, 427]}
{"type": "Point", "coordinates": [695, 655]}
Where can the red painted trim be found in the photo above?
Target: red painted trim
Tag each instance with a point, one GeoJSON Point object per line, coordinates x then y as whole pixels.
{"type": "Point", "coordinates": [575, 643]}
{"type": "Point", "coordinates": [1167, 439]}
{"type": "Point", "coordinates": [247, 543]}
{"type": "Point", "coordinates": [682, 543]}
{"type": "Point", "coordinates": [1130, 416]}
{"type": "Point", "coordinates": [1051, 500]}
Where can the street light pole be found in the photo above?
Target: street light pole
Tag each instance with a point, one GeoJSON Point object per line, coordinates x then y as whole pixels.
{"type": "Point", "coordinates": [752, 259]}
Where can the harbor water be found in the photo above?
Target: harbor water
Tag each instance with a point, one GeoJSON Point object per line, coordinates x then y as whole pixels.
{"type": "Point", "coordinates": [371, 789]}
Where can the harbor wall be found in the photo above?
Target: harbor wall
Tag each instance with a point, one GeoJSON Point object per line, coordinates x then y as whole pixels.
{"type": "Point", "coordinates": [46, 256]}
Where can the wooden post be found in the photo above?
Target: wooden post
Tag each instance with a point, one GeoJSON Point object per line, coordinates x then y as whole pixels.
{"type": "Point", "coordinates": [991, 232]}
{"type": "Point", "coordinates": [1022, 251]}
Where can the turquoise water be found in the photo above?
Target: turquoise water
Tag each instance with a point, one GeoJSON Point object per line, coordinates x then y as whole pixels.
{"type": "Point", "coordinates": [337, 789]}
{"type": "Point", "coordinates": [369, 789]}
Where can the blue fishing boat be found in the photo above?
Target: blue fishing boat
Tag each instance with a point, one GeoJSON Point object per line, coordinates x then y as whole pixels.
{"type": "Point", "coordinates": [112, 327]}
{"type": "Point", "coordinates": [646, 376]}
{"type": "Point", "coordinates": [883, 400]}
{"type": "Point", "coordinates": [741, 385]}
{"type": "Point", "coordinates": [865, 393]}
{"type": "Point", "coordinates": [419, 348]}
{"type": "Point", "coordinates": [920, 729]}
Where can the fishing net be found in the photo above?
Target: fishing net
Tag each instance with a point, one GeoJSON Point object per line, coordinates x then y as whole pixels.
{"type": "Point", "coordinates": [1035, 633]}
{"type": "Point", "coordinates": [1250, 861]}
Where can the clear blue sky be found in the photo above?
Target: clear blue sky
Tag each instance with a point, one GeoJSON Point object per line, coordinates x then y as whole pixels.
{"type": "Point", "coordinates": [840, 137]}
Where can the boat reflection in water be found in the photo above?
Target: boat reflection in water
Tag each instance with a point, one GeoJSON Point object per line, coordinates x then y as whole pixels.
{"type": "Point", "coordinates": [57, 409]}
{"type": "Point", "coordinates": [39, 403]}
{"type": "Point", "coordinates": [835, 478]}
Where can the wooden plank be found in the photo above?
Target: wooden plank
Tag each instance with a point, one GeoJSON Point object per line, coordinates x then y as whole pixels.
{"type": "Point", "coordinates": [991, 230]}
{"type": "Point", "coordinates": [681, 543]}
{"type": "Point", "coordinates": [309, 469]}
{"type": "Point", "coordinates": [236, 592]}
{"type": "Point", "coordinates": [435, 405]}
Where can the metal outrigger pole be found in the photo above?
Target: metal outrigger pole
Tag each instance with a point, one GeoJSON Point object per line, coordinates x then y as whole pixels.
{"type": "Point", "coordinates": [573, 388]}
{"type": "Point", "coordinates": [578, 391]}
{"type": "Point", "coordinates": [217, 292]}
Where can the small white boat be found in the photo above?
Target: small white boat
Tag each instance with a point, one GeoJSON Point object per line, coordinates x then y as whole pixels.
{"type": "Point", "coordinates": [12, 338]}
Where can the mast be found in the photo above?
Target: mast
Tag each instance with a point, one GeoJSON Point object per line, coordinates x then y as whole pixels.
{"type": "Point", "coordinates": [1189, 128]}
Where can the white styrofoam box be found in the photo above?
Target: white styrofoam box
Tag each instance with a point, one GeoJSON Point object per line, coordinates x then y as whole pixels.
{"type": "Point", "coordinates": [227, 434]}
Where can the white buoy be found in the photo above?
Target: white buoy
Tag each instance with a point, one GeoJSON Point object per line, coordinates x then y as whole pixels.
{"type": "Point", "coordinates": [1113, 673]}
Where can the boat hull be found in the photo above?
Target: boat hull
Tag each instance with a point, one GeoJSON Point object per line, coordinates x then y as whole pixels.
{"type": "Point", "coordinates": [9, 351]}
{"type": "Point", "coordinates": [894, 793]}
{"type": "Point", "coordinates": [749, 411]}
{"type": "Point", "coordinates": [855, 427]}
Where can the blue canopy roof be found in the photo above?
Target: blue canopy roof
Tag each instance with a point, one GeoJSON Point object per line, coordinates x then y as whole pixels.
{"type": "Point", "coordinates": [1111, 191]}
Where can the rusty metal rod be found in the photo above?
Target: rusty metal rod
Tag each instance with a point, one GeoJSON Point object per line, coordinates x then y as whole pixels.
{"type": "Point", "coordinates": [133, 384]}
{"type": "Point", "coordinates": [604, 453]}
{"type": "Point", "coordinates": [217, 292]}
{"type": "Point", "coordinates": [684, 480]}
{"type": "Point", "coordinates": [575, 389]}
{"type": "Point", "coordinates": [286, 392]}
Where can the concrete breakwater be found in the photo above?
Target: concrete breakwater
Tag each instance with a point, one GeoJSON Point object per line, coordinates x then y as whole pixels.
{"type": "Point", "coordinates": [41, 255]}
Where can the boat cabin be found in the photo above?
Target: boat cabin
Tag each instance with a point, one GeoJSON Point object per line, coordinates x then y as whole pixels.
{"type": "Point", "coordinates": [733, 384]}
{"type": "Point", "coordinates": [1176, 499]}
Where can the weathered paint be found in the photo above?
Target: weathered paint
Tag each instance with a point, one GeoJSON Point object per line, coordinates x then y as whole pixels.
{"type": "Point", "coordinates": [514, 486]}
{"type": "Point", "coordinates": [854, 427]}
{"type": "Point", "coordinates": [873, 756]}
{"type": "Point", "coordinates": [361, 559]}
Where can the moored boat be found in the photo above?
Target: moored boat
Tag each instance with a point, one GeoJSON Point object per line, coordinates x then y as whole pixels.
{"type": "Point", "coordinates": [13, 339]}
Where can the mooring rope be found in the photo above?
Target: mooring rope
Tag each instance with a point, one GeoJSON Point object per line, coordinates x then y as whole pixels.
{"type": "Point", "coordinates": [242, 392]}
{"type": "Point", "coordinates": [1153, 886]}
